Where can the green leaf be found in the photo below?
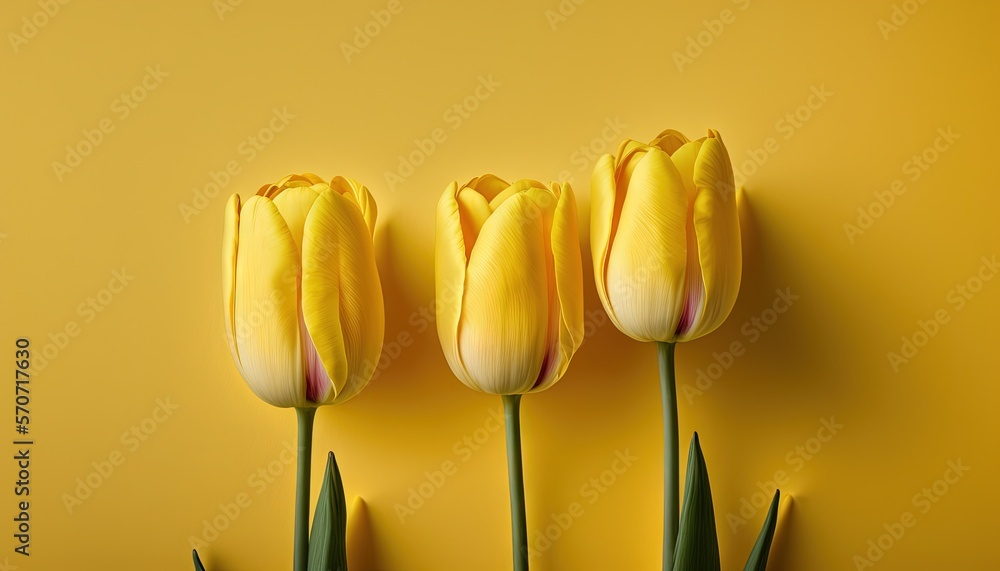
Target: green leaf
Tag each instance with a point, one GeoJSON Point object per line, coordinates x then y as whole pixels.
{"type": "Point", "coordinates": [328, 539]}
{"type": "Point", "coordinates": [758, 556]}
{"type": "Point", "coordinates": [197, 561]}
{"type": "Point", "coordinates": [697, 547]}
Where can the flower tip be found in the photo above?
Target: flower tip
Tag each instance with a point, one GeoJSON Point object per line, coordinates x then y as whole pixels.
{"type": "Point", "coordinates": [621, 148]}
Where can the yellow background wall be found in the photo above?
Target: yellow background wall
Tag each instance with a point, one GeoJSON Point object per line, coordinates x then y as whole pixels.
{"type": "Point", "coordinates": [822, 108]}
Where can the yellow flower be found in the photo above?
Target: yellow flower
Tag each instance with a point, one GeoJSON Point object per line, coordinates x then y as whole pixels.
{"type": "Point", "coordinates": [509, 283]}
{"type": "Point", "coordinates": [665, 236]}
{"type": "Point", "coordinates": [301, 293]}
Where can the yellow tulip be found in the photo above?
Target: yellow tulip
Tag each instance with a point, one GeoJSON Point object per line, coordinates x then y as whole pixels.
{"type": "Point", "coordinates": [665, 237]}
{"type": "Point", "coordinates": [509, 283]}
{"type": "Point", "coordinates": [302, 298]}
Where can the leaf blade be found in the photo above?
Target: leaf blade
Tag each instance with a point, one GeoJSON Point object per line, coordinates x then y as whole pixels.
{"type": "Point", "coordinates": [328, 537]}
{"type": "Point", "coordinates": [197, 561]}
{"type": "Point", "coordinates": [758, 555]}
{"type": "Point", "coordinates": [697, 547]}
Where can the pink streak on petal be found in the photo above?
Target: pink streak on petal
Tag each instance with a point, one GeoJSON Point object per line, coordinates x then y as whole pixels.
{"type": "Point", "coordinates": [318, 383]}
{"type": "Point", "coordinates": [547, 363]}
{"type": "Point", "coordinates": [688, 313]}
{"type": "Point", "coordinates": [694, 288]}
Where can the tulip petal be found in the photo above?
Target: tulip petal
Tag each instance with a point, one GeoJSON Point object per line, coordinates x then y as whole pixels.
{"type": "Point", "coordinates": [717, 226]}
{"type": "Point", "coordinates": [519, 186]}
{"type": "Point", "coordinates": [646, 266]}
{"type": "Point", "coordinates": [291, 181]}
{"type": "Point", "coordinates": [474, 210]}
{"type": "Point", "coordinates": [631, 154]}
{"type": "Point", "coordinates": [504, 321]}
{"type": "Point", "coordinates": [341, 297]}
{"type": "Point", "coordinates": [266, 305]}
{"type": "Point", "coordinates": [313, 178]}
{"type": "Point", "coordinates": [230, 245]}
{"type": "Point", "coordinates": [294, 203]}
{"type": "Point", "coordinates": [449, 278]}
{"type": "Point", "coordinates": [359, 192]}
{"type": "Point", "coordinates": [568, 273]}
{"type": "Point", "coordinates": [321, 301]}
{"type": "Point", "coordinates": [326, 348]}
{"type": "Point", "coordinates": [684, 159]}
{"type": "Point", "coordinates": [670, 140]}
{"type": "Point", "coordinates": [488, 185]}
{"type": "Point", "coordinates": [362, 309]}
{"type": "Point", "coordinates": [603, 221]}
{"type": "Point", "coordinates": [627, 147]}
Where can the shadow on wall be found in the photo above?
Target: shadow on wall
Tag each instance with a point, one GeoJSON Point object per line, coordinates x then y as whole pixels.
{"type": "Point", "coordinates": [780, 557]}
{"type": "Point", "coordinates": [360, 548]}
{"type": "Point", "coordinates": [746, 371]}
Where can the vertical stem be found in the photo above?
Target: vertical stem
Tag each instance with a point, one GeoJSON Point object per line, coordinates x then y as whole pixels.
{"type": "Point", "coordinates": [305, 416]}
{"type": "Point", "coordinates": [671, 493]}
{"type": "Point", "coordinates": [515, 474]}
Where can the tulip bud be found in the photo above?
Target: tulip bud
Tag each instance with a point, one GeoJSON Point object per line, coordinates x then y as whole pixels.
{"type": "Point", "coordinates": [301, 292]}
{"type": "Point", "coordinates": [509, 283]}
{"type": "Point", "coordinates": [665, 236]}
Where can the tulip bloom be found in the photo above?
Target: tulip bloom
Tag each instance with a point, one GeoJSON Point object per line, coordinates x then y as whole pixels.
{"type": "Point", "coordinates": [509, 283]}
{"type": "Point", "coordinates": [665, 237]}
{"type": "Point", "coordinates": [302, 298]}
{"type": "Point", "coordinates": [510, 295]}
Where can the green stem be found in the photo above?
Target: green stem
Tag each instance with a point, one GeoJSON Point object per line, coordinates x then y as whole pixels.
{"type": "Point", "coordinates": [305, 417]}
{"type": "Point", "coordinates": [515, 474]}
{"type": "Point", "coordinates": [671, 493]}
